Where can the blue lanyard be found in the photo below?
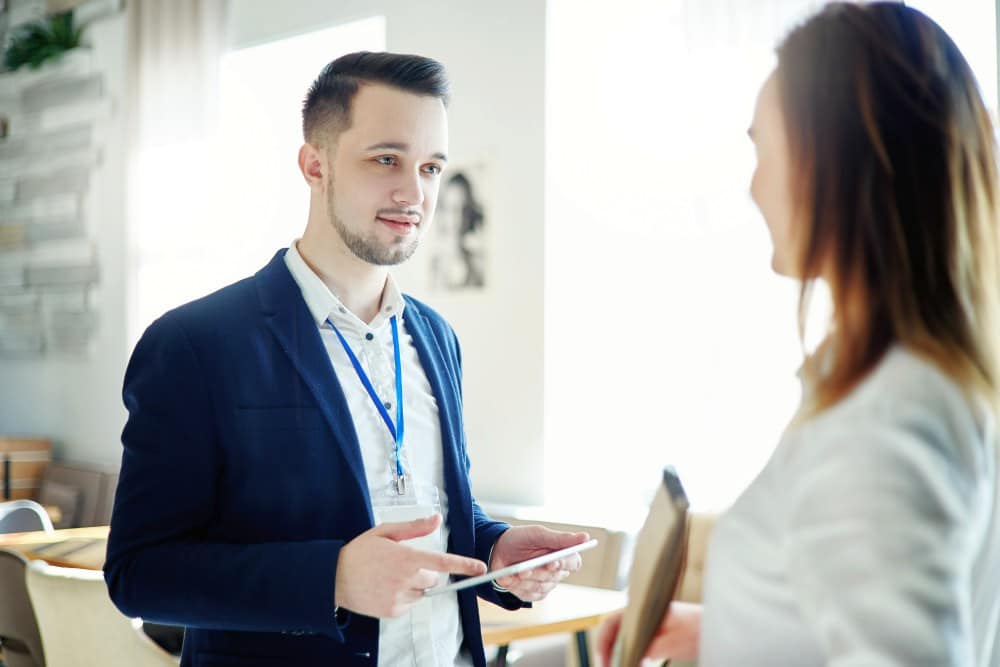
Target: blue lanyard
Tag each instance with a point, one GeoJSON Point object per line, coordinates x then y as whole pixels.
{"type": "Point", "coordinates": [395, 430]}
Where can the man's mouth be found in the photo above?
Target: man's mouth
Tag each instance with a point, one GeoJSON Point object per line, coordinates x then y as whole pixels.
{"type": "Point", "coordinates": [399, 223]}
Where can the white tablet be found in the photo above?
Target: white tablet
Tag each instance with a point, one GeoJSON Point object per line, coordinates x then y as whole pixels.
{"type": "Point", "coordinates": [514, 568]}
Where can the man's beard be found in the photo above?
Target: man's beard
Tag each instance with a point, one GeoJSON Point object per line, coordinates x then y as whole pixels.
{"type": "Point", "coordinates": [367, 248]}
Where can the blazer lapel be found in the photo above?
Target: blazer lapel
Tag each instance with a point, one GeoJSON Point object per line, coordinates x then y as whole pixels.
{"type": "Point", "coordinates": [449, 409]}
{"type": "Point", "coordinates": [288, 318]}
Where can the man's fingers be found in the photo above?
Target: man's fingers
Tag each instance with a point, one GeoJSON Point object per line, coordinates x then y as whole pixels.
{"type": "Point", "coordinates": [541, 575]}
{"type": "Point", "coordinates": [558, 540]}
{"type": "Point", "coordinates": [405, 601]}
{"type": "Point", "coordinates": [407, 530]}
{"type": "Point", "coordinates": [507, 582]}
{"type": "Point", "coordinates": [540, 590]}
{"type": "Point", "coordinates": [555, 571]}
{"type": "Point", "coordinates": [532, 591]}
{"type": "Point", "coordinates": [425, 579]}
{"type": "Point", "coordinates": [450, 563]}
{"type": "Point", "coordinates": [572, 563]}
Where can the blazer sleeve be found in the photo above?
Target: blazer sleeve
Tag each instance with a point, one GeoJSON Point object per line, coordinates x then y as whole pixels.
{"type": "Point", "coordinates": [160, 564]}
{"type": "Point", "coordinates": [881, 543]}
{"type": "Point", "coordinates": [487, 530]}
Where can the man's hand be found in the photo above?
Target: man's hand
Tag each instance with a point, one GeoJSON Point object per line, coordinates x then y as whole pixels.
{"type": "Point", "coordinates": [377, 576]}
{"type": "Point", "coordinates": [524, 542]}
{"type": "Point", "coordinates": [676, 638]}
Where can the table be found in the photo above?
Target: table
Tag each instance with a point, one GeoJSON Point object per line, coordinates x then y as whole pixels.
{"type": "Point", "coordinates": [568, 608]}
{"type": "Point", "coordinates": [68, 547]}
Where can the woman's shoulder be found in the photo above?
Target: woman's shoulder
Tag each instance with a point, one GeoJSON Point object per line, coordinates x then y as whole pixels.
{"type": "Point", "coordinates": [901, 383]}
{"type": "Point", "coordinates": [906, 383]}
{"type": "Point", "coordinates": [906, 407]}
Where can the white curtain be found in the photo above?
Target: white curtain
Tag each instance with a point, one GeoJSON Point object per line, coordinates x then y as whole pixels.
{"type": "Point", "coordinates": [175, 48]}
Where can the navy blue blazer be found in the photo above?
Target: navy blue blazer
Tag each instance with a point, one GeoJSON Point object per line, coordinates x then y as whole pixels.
{"type": "Point", "coordinates": [242, 478]}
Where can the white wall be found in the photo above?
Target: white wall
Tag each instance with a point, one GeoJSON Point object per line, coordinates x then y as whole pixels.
{"type": "Point", "coordinates": [77, 401]}
{"type": "Point", "coordinates": [494, 53]}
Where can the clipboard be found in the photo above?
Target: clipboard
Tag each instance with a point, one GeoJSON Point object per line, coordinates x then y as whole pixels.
{"type": "Point", "coordinates": [657, 566]}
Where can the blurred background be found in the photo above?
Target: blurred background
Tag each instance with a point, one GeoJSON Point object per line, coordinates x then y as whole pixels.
{"type": "Point", "coordinates": [626, 315]}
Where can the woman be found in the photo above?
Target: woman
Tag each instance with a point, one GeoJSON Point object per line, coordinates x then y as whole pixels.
{"type": "Point", "coordinates": [872, 535]}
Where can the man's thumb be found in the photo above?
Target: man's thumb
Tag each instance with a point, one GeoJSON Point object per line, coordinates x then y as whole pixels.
{"type": "Point", "coordinates": [561, 540]}
{"type": "Point", "coordinates": [406, 530]}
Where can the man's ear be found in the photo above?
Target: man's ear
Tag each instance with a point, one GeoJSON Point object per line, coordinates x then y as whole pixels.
{"type": "Point", "coordinates": [313, 165]}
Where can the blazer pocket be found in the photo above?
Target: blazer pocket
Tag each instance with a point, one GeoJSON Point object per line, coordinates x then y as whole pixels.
{"type": "Point", "coordinates": [305, 418]}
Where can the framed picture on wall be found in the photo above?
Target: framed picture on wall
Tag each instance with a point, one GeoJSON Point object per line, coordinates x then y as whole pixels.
{"type": "Point", "coordinates": [458, 247]}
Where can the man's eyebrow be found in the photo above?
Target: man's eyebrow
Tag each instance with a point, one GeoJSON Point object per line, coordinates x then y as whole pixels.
{"type": "Point", "coordinates": [401, 147]}
{"type": "Point", "coordinates": [388, 146]}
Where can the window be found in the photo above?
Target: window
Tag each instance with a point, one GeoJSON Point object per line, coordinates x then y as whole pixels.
{"type": "Point", "coordinates": [242, 196]}
{"type": "Point", "coordinates": [667, 337]}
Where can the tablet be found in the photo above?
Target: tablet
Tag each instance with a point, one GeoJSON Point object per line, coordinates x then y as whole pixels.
{"type": "Point", "coordinates": [514, 568]}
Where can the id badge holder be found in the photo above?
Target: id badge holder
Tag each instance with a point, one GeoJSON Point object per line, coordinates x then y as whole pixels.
{"type": "Point", "coordinates": [416, 501]}
{"type": "Point", "coordinates": [395, 503]}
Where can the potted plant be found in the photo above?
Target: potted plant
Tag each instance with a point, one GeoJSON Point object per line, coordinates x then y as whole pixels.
{"type": "Point", "coordinates": [41, 41]}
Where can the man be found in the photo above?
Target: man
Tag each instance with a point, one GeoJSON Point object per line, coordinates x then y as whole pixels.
{"type": "Point", "coordinates": [288, 434]}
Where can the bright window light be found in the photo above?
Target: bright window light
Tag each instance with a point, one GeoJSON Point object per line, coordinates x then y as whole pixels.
{"type": "Point", "coordinates": [251, 197]}
{"type": "Point", "coordinates": [262, 92]}
{"type": "Point", "coordinates": [668, 339]}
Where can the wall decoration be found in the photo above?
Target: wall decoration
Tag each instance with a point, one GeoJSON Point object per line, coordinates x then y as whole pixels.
{"type": "Point", "coordinates": [457, 240]}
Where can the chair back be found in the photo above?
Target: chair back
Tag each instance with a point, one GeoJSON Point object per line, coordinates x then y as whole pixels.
{"type": "Point", "coordinates": [79, 624]}
{"type": "Point", "coordinates": [22, 516]}
{"type": "Point", "coordinates": [22, 647]}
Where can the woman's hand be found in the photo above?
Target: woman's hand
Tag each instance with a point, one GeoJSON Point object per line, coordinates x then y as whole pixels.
{"type": "Point", "coordinates": [676, 638]}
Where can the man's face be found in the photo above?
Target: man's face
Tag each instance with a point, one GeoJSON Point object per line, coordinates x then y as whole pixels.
{"type": "Point", "coordinates": [385, 172]}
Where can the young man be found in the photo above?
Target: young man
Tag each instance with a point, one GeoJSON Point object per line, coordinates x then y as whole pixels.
{"type": "Point", "coordinates": [295, 439]}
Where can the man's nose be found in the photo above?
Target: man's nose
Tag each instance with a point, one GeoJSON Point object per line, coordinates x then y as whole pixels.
{"type": "Point", "coordinates": [409, 191]}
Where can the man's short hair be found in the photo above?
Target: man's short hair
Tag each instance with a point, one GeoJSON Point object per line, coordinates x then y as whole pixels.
{"type": "Point", "coordinates": [327, 107]}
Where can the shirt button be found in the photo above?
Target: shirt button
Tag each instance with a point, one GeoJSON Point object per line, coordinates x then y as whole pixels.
{"type": "Point", "coordinates": [369, 336]}
{"type": "Point", "coordinates": [388, 405]}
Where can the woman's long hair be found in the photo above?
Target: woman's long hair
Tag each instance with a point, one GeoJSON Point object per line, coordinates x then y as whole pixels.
{"type": "Point", "coordinates": [896, 195]}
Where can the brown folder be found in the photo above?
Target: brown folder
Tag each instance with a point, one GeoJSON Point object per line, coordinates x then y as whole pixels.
{"type": "Point", "coordinates": [656, 570]}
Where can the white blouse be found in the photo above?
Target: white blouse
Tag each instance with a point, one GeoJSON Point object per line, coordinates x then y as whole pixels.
{"type": "Point", "coordinates": [871, 537]}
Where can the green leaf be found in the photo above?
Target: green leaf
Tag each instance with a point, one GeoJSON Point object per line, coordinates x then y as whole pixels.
{"type": "Point", "coordinates": [41, 41]}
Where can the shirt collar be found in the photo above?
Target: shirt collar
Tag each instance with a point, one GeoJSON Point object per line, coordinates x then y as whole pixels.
{"type": "Point", "coordinates": [323, 303]}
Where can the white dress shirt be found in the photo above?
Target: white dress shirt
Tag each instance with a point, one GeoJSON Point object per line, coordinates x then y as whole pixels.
{"type": "Point", "coordinates": [870, 538]}
{"type": "Point", "coordinates": [430, 634]}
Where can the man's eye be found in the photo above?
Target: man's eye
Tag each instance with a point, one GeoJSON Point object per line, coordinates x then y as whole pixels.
{"type": "Point", "coordinates": [387, 160]}
{"type": "Point", "coordinates": [433, 169]}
